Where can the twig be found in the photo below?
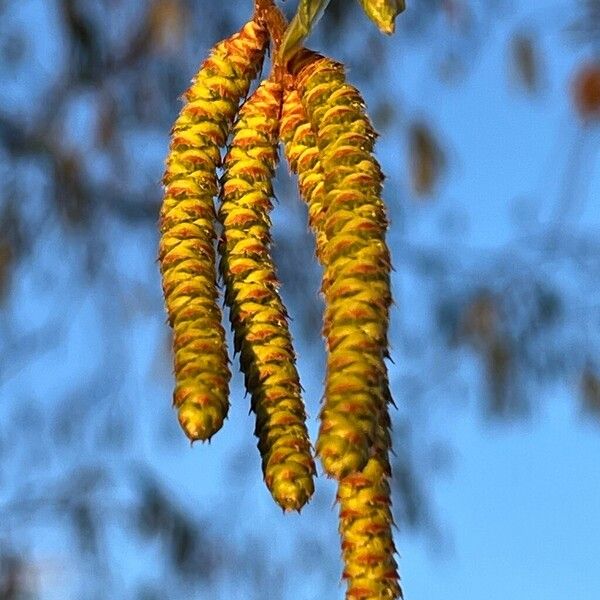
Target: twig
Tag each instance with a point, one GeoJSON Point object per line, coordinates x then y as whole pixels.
{"type": "Point", "coordinates": [266, 12]}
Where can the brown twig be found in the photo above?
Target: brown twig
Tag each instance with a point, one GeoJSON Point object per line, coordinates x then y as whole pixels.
{"type": "Point", "coordinates": [266, 12]}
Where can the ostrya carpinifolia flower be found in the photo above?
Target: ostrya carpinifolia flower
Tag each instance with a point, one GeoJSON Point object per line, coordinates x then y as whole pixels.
{"type": "Point", "coordinates": [257, 314]}
{"type": "Point", "coordinates": [366, 522]}
{"type": "Point", "coordinates": [186, 253]}
{"type": "Point", "coordinates": [364, 497]}
{"type": "Point", "coordinates": [356, 279]}
{"type": "Point", "coordinates": [329, 142]}
{"type": "Point", "coordinates": [303, 156]}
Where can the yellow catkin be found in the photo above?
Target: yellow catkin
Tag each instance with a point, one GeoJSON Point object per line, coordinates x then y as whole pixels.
{"type": "Point", "coordinates": [186, 252]}
{"type": "Point", "coordinates": [366, 522]}
{"type": "Point", "coordinates": [356, 261]}
{"type": "Point", "coordinates": [302, 153]}
{"type": "Point", "coordinates": [364, 498]}
{"type": "Point", "coordinates": [257, 314]}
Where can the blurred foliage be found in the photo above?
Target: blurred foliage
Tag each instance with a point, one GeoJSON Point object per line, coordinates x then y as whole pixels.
{"type": "Point", "coordinates": [426, 159]}
{"type": "Point", "coordinates": [590, 388]}
{"type": "Point", "coordinates": [87, 98]}
{"type": "Point", "coordinates": [586, 91]}
{"type": "Point", "coordinates": [526, 62]}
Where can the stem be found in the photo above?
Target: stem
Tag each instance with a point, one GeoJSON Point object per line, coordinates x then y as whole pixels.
{"type": "Point", "coordinates": [266, 12]}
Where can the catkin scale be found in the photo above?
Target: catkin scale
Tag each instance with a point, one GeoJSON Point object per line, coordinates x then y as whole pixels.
{"type": "Point", "coordinates": [186, 250]}
{"type": "Point", "coordinates": [257, 314]}
{"type": "Point", "coordinates": [302, 153]}
{"type": "Point", "coordinates": [365, 528]}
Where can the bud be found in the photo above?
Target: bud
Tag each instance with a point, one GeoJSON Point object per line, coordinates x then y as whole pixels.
{"type": "Point", "coordinates": [383, 12]}
{"type": "Point", "coordinates": [366, 525]}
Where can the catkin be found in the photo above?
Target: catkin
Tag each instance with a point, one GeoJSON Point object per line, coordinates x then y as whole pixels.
{"type": "Point", "coordinates": [356, 280]}
{"type": "Point", "coordinates": [329, 142]}
{"type": "Point", "coordinates": [186, 252]}
{"type": "Point", "coordinates": [383, 12]}
{"type": "Point", "coordinates": [257, 314]}
{"type": "Point", "coordinates": [364, 497]}
{"type": "Point", "coordinates": [365, 520]}
{"type": "Point", "coordinates": [302, 153]}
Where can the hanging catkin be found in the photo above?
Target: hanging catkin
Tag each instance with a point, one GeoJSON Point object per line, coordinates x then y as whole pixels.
{"type": "Point", "coordinates": [357, 265]}
{"type": "Point", "coordinates": [186, 252]}
{"type": "Point", "coordinates": [366, 521]}
{"type": "Point", "coordinates": [302, 153]}
{"type": "Point", "coordinates": [364, 497]}
{"type": "Point", "coordinates": [257, 314]}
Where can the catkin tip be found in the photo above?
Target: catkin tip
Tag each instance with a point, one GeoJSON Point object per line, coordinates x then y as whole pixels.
{"type": "Point", "coordinates": [199, 423]}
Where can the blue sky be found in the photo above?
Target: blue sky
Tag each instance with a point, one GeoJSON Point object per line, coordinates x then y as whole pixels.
{"type": "Point", "coordinates": [518, 505]}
